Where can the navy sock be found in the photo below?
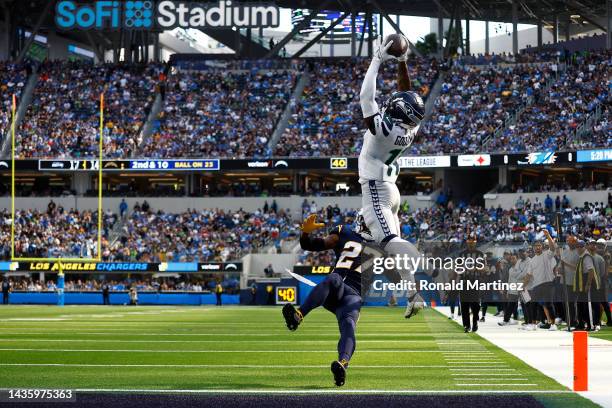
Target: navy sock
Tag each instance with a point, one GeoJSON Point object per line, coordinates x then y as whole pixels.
{"type": "Point", "coordinates": [346, 344]}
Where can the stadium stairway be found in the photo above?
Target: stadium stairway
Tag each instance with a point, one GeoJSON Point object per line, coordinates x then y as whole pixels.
{"type": "Point", "coordinates": [585, 129]}
{"type": "Point", "coordinates": [516, 116]}
{"type": "Point", "coordinates": [24, 102]}
{"type": "Point", "coordinates": [148, 127]}
{"type": "Point", "coordinates": [433, 96]}
{"type": "Point", "coordinates": [283, 121]}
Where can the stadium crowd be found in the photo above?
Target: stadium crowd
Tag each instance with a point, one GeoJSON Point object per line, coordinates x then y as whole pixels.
{"type": "Point", "coordinates": [551, 121]}
{"type": "Point", "coordinates": [455, 223]}
{"type": "Point", "coordinates": [221, 235]}
{"type": "Point", "coordinates": [63, 118]}
{"type": "Point", "coordinates": [13, 78]}
{"type": "Point", "coordinates": [216, 113]}
{"type": "Point", "coordinates": [56, 232]}
{"type": "Point", "coordinates": [231, 109]}
{"type": "Point", "coordinates": [475, 101]}
{"type": "Point", "coordinates": [148, 235]}
{"type": "Point", "coordinates": [119, 285]}
{"type": "Point", "coordinates": [327, 119]}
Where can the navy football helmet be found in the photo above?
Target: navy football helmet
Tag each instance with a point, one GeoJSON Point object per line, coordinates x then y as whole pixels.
{"type": "Point", "coordinates": [405, 108]}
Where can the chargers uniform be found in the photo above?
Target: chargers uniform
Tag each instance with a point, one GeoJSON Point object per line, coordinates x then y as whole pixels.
{"type": "Point", "coordinates": [340, 293]}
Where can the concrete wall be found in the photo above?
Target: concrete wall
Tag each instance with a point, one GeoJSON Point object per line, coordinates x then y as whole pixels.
{"type": "Point", "coordinates": [577, 198]}
{"type": "Point", "coordinates": [179, 204]}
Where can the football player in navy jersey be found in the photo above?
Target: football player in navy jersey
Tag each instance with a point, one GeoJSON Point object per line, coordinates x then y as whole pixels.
{"type": "Point", "coordinates": [340, 292]}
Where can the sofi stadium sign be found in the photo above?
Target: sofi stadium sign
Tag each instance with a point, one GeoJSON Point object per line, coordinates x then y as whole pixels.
{"type": "Point", "coordinates": [166, 14]}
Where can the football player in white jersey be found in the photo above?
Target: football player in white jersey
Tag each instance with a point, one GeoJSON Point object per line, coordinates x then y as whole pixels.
{"type": "Point", "coordinates": [391, 131]}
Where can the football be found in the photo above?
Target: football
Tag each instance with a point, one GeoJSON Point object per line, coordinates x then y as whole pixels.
{"type": "Point", "coordinates": [400, 44]}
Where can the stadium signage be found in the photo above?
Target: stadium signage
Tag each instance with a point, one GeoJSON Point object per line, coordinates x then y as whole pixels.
{"type": "Point", "coordinates": [286, 294]}
{"type": "Point", "coordinates": [166, 14]}
{"type": "Point", "coordinates": [539, 158]}
{"type": "Point", "coordinates": [585, 156]}
{"type": "Point", "coordinates": [412, 162]}
{"type": "Point", "coordinates": [119, 267]}
{"type": "Point", "coordinates": [338, 163]}
{"type": "Point", "coordinates": [259, 164]}
{"type": "Point", "coordinates": [469, 160]}
{"type": "Point", "coordinates": [130, 165]}
{"type": "Point", "coordinates": [312, 270]}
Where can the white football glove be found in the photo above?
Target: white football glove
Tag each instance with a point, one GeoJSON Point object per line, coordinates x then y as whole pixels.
{"type": "Point", "coordinates": [381, 53]}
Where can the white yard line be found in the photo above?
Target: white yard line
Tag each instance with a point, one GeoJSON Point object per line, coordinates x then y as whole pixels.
{"type": "Point", "coordinates": [547, 352]}
{"type": "Point", "coordinates": [488, 374]}
{"type": "Point", "coordinates": [496, 384]}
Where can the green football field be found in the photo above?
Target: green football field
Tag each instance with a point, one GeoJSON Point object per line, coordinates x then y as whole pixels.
{"type": "Point", "coordinates": [249, 349]}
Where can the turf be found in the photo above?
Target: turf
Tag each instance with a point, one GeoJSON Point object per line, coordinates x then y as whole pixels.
{"type": "Point", "coordinates": [605, 333]}
{"type": "Point", "coordinates": [249, 349]}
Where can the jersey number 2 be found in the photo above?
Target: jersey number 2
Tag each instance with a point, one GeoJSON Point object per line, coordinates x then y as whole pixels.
{"type": "Point", "coordinates": [350, 252]}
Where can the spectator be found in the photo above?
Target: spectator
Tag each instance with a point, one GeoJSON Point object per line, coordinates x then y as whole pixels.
{"type": "Point", "coordinates": [6, 290]}
{"type": "Point", "coordinates": [218, 292]}
{"type": "Point", "coordinates": [105, 294]}
{"type": "Point", "coordinates": [123, 208]}
{"type": "Point", "coordinates": [269, 271]}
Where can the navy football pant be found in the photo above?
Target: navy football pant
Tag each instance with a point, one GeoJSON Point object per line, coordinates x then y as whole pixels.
{"type": "Point", "coordinates": [342, 300]}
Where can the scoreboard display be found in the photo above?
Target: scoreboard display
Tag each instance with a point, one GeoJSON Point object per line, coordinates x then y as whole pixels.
{"type": "Point", "coordinates": [286, 294]}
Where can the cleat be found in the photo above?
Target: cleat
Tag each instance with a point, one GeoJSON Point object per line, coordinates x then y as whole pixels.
{"type": "Point", "coordinates": [414, 307]}
{"type": "Point", "coordinates": [503, 323]}
{"type": "Point", "coordinates": [466, 329]}
{"type": "Point", "coordinates": [338, 368]}
{"type": "Point", "coordinates": [553, 327]}
{"type": "Point", "coordinates": [474, 327]}
{"type": "Point", "coordinates": [293, 317]}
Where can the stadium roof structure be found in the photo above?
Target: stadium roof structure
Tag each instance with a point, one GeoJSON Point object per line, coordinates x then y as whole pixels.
{"type": "Point", "coordinates": [555, 15]}
{"type": "Point", "coordinates": [528, 11]}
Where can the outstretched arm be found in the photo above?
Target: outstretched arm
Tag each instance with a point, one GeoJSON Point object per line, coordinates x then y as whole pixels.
{"type": "Point", "coordinates": [308, 243]}
{"type": "Point", "coordinates": [403, 79]}
{"type": "Point", "coordinates": [367, 96]}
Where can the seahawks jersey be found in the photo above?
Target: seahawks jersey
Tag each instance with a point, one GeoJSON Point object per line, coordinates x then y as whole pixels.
{"type": "Point", "coordinates": [379, 155]}
{"type": "Point", "coordinates": [348, 252]}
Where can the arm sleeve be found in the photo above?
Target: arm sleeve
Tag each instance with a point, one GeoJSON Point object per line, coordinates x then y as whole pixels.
{"type": "Point", "coordinates": [367, 96]}
{"type": "Point", "coordinates": [312, 244]}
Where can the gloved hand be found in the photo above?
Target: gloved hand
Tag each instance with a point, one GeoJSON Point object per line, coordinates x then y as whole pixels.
{"type": "Point", "coordinates": [381, 52]}
{"type": "Point", "coordinates": [310, 224]}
